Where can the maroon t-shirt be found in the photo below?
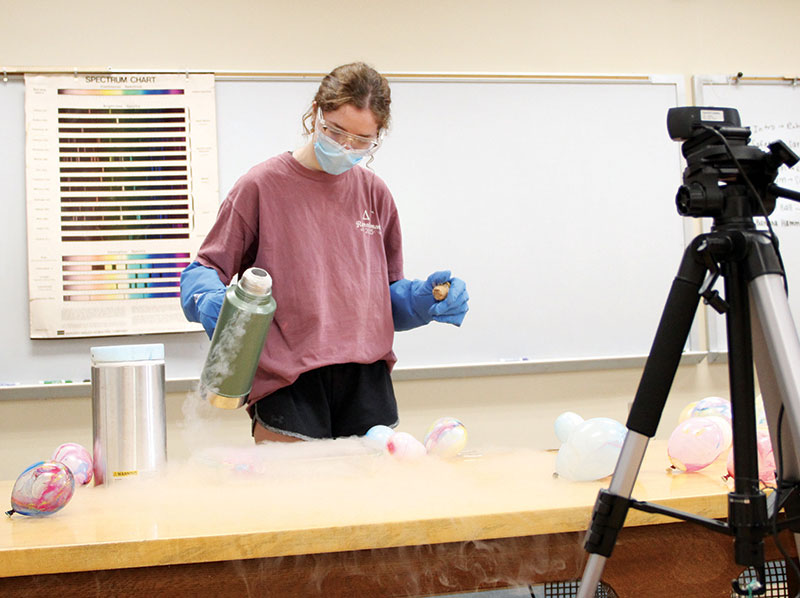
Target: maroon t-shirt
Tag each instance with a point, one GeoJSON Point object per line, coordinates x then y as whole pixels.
{"type": "Point", "coordinates": [332, 245]}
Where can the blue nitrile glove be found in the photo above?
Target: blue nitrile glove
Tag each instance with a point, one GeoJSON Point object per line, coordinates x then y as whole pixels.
{"type": "Point", "coordinates": [413, 304]}
{"type": "Point", "coordinates": [202, 294]}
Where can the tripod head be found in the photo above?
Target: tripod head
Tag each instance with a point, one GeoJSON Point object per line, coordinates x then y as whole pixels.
{"type": "Point", "coordinates": [726, 178]}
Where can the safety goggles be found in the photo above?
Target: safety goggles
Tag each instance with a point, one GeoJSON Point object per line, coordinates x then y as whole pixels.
{"type": "Point", "coordinates": [359, 144]}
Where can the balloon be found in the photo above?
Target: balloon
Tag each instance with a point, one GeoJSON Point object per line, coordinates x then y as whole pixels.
{"type": "Point", "coordinates": [592, 450]}
{"type": "Point", "coordinates": [761, 414]}
{"type": "Point", "coordinates": [686, 412]}
{"type": "Point", "coordinates": [565, 424]}
{"type": "Point", "coordinates": [695, 444]}
{"type": "Point", "coordinates": [713, 406]}
{"type": "Point", "coordinates": [766, 459]}
{"type": "Point", "coordinates": [725, 427]}
{"type": "Point", "coordinates": [78, 459]}
{"type": "Point", "coordinates": [446, 437]}
{"type": "Point", "coordinates": [405, 446]}
{"type": "Point", "coordinates": [42, 489]}
{"type": "Point", "coordinates": [378, 436]}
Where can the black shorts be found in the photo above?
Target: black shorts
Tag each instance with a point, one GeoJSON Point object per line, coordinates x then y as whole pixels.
{"type": "Point", "coordinates": [333, 401]}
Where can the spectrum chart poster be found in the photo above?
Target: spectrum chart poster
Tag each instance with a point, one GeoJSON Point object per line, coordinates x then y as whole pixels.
{"type": "Point", "coordinates": [122, 185]}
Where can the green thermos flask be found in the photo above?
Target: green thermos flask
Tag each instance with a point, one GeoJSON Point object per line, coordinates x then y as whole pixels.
{"type": "Point", "coordinates": [238, 339]}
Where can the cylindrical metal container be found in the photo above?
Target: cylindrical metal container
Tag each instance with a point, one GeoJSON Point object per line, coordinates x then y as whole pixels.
{"type": "Point", "coordinates": [238, 340]}
{"type": "Point", "coordinates": [128, 411]}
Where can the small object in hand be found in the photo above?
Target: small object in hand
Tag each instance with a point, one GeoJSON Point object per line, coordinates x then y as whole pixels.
{"type": "Point", "coordinates": [440, 291]}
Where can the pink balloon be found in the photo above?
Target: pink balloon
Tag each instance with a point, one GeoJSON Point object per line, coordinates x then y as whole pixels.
{"type": "Point", "coordinates": [695, 443]}
{"type": "Point", "coordinates": [766, 459]}
{"type": "Point", "coordinates": [78, 459]}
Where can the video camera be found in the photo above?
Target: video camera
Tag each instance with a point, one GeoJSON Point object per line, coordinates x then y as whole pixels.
{"type": "Point", "coordinates": [726, 178]}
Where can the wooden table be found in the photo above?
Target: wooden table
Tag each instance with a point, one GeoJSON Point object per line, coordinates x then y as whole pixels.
{"type": "Point", "coordinates": [335, 520]}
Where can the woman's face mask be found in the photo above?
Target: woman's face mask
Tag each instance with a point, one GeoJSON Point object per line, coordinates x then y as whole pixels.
{"type": "Point", "coordinates": [332, 157]}
{"type": "Point", "coordinates": [337, 150]}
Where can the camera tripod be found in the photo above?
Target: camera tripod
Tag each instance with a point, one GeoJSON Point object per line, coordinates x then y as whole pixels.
{"type": "Point", "coordinates": [760, 330]}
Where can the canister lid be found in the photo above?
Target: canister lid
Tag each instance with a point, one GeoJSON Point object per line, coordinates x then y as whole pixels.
{"type": "Point", "coordinates": [126, 353]}
{"type": "Point", "coordinates": [256, 281]}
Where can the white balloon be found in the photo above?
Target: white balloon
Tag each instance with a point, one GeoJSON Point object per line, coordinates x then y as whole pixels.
{"type": "Point", "coordinates": [565, 423]}
{"type": "Point", "coordinates": [378, 436]}
{"type": "Point", "coordinates": [564, 459]}
{"type": "Point", "coordinates": [592, 450]}
{"type": "Point", "coordinates": [404, 446]}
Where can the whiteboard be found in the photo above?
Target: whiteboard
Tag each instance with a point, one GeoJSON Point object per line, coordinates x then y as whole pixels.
{"type": "Point", "coordinates": [552, 197]}
{"type": "Point", "coordinates": [771, 108]}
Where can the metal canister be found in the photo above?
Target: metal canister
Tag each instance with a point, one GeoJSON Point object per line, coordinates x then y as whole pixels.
{"type": "Point", "coordinates": [242, 327]}
{"type": "Point", "coordinates": [128, 411]}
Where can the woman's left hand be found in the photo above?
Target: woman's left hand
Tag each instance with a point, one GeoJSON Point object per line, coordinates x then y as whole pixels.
{"type": "Point", "coordinates": [453, 308]}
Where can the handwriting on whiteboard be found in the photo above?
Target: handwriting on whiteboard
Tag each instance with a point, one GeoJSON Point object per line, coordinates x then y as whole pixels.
{"type": "Point", "coordinates": [786, 213]}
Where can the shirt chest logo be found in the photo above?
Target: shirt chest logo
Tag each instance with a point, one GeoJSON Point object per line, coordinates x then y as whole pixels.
{"type": "Point", "coordinates": [365, 224]}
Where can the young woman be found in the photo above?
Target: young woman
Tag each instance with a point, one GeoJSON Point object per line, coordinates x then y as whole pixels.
{"type": "Point", "coordinates": [329, 235]}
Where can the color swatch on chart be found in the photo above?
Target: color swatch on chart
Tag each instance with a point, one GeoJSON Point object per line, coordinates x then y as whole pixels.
{"type": "Point", "coordinates": [123, 173]}
{"type": "Point", "coordinates": [120, 92]}
{"type": "Point", "coordinates": [122, 276]}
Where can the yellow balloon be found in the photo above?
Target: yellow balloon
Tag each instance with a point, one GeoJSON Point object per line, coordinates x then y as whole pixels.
{"type": "Point", "coordinates": [686, 413]}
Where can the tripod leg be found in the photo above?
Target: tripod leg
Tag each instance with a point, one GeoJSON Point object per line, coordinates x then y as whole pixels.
{"type": "Point", "coordinates": [625, 473]}
{"type": "Point", "coordinates": [776, 351]}
{"type": "Point", "coordinates": [657, 377]}
{"type": "Point", "coordinates": [747, 505]}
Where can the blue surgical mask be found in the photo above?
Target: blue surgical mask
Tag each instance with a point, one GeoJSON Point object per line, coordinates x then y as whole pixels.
{"type": "Point", "coordinates": [332, 157]}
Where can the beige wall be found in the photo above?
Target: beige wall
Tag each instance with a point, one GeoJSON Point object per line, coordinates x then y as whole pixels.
{"type": "Point", "coordinates": [641, 36]}
{"type": "Point", "coordinates": [616, 36]}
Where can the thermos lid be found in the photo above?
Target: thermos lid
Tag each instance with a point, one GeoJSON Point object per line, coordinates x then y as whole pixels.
{"type": "Point", "coordinates": [256, 281]}
{"type": "Point", "coordinates": [126, 353]}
